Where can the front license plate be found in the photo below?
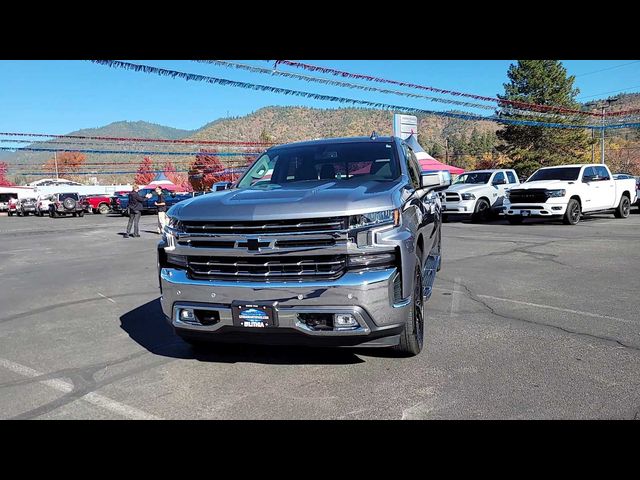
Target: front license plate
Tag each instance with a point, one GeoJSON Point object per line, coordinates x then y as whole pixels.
{"type": "Point", "coordinates": [526, 213]}
{"type": "Point", "coordinates": [254, 316]}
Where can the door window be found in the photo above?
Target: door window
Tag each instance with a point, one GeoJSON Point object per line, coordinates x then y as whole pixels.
{"type": "Point", "coordinates": [511, 177]}
{"type": "Point", "coordinates": [498, 179]}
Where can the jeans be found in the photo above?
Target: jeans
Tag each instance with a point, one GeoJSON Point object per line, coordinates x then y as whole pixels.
{"type": "Point", "coordinates": [162, 221]}
{"type": "Point", "coordinates": [134, 218]}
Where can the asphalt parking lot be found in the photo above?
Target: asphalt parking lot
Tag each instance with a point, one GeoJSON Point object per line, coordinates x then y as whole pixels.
{"type": "Point", "coordinates": [531, 321]}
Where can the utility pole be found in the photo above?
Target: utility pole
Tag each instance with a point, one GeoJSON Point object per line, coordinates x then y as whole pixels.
{"type": "Point", "coordinates": [603, 116]}
{"type": "Point", "coordinates": [55, 159]}
{"type": "Point", "coordinates": [593, 145]}
{"type": "Point", "coordinates": [446, 143]}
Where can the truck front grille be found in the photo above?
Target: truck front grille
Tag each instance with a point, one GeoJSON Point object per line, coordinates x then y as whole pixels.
{"type": "Point", "coordinates": [533, 195]}
{"type": "Point", "coordinates": [274, 226]}
{"type": "Point", "coordinates": [267, 268]}
{"type": "Point", "coordinates": [452, 197]}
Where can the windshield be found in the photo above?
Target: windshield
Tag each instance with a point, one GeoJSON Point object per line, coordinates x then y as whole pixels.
{"type": "Point", "coordinates": [482, 177]}
{"type": "Point", "coordinates": [560, 173]}
{"type": "Point", "coordinates": [353, 162]}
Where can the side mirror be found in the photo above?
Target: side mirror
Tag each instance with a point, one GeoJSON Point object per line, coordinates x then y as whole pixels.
{"type": "Point", "coordinates": [436, 180]}
{"type": "Point", "coordinates": [173, 194]}
{"type": "Point", "coordinates": [221, 186]}
{"type": "Point", "coordinates": [589, 178]}
{"type": "Point", "coordinates": [500, 182]}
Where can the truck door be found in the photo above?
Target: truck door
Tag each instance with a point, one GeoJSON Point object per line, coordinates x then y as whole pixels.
{"type": "Point", "coordinates": [606, 188]}
{"type": "Point", "coordinates": [498, 188]}
{"type": "Point", "coordinates": [589, 190]}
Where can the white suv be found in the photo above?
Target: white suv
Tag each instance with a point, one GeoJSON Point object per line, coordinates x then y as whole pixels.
{"type": "Point", "coordinates": [479, 194]}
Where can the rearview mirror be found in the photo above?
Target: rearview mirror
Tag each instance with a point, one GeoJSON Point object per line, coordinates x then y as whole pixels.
{"type": "Point", "coordinates": [436, 180]}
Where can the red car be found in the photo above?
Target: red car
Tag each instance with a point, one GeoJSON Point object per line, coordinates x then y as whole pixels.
{"type": "Point", "coordinates": [97, 203]}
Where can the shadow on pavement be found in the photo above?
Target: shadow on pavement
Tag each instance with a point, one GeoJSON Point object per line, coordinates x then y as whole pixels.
{"type": "Point", "coordinates": [147, 326]}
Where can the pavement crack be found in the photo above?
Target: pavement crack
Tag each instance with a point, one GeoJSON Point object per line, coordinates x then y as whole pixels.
{"type": "Point", "coordinates": [493, 311]}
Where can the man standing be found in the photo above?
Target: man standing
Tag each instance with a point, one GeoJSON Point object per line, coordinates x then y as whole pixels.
{"type": "Point", "coordinates": [136, 203]}
{"type": "Point", "coordinates": [162, 210]}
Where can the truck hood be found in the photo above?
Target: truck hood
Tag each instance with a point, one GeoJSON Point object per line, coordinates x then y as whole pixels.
{"type": "Point", "coordinates": [551, 184]}
{"type": "Point", "coordinates": [468, 187]}
{"type": "Point", "coordinates": [317, 198]}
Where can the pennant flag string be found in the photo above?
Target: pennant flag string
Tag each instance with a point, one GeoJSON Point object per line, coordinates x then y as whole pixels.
{"type": "Point", "coordinates": [376, 105]}
{"type": "Point", "coordinates": [126, 152]}
{"type": "Point", "coordinates": [524, 105]}
{"type": "Point", "coordinates": [144, 140]}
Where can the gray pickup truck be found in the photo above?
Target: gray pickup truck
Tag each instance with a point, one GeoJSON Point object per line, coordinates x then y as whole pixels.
{"type": "Point", "coordinates": [332, 242]}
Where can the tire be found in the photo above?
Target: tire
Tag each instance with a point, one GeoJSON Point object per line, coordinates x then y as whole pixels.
{"type": "Point", "coordinates": [482, 211]}
{"type": "Point", "coordinates": [412, 336]}
{"type": "Point", "coordinates": [624, 208]}
{"type": "Point", "coordinates": [80, 214]}
{"type": "Point", "coordinates": [445, 218]}
{"type": "Point", "coordinates": [69, 203]}
{"type": "Point", "coordinates": [439, 251]}
{"type": "Point", "coordinates": [10, 214]}
{"type": "Point", "coordinates": [572, 215]}
{"type": "Point", "coordinates": [103, 208]}
{"type": "Point", "coordinates": [514, 219]}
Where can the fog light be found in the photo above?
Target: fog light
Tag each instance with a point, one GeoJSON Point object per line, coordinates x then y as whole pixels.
{"type": "Point", "coordinates": [187, 315]}
{"type": "Point", "coordinates": [344, 320]}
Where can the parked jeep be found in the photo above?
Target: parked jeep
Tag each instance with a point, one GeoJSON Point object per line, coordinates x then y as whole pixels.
{"type": "Point", "coordinates": [326, 242]}
{"type": "Point", "coordinates": [63, 204]}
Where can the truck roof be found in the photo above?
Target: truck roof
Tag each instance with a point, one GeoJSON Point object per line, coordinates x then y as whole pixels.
{"type": "Point", "coordinates": [323, 141]}
{"type": "Point", "coordinates": [576, 165]}
{"type": "Point", "coordinates": [491, 170]}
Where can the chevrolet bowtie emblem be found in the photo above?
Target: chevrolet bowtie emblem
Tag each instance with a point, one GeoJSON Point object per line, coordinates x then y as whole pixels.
{"type": "Point", "coordinates": [253, 244]}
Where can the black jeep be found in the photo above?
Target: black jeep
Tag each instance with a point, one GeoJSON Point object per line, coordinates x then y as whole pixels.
{"type": "Point", "coordinates": [66, 204]}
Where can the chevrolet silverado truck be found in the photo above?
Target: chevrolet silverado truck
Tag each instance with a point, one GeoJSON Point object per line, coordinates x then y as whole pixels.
{"type": "Point", "coordinates": [338, 246]}
{"type": "Point", "coordinates": [568, 191]}
{"type": "Point", "coordinates": [479, 194]}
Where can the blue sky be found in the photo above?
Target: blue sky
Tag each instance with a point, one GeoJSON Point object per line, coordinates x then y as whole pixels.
{"type": "Point", "coordinates": [61, 96]}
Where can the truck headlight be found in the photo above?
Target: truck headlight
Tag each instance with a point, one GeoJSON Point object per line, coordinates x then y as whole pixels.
{"type": "Point", "coordinates": [468, 196]}
{"type": "Point", "coordinates": [174, 223]}
{"type": "Point", "coordinates": [556, 193]}
{"type": "Point", "coordinates": [375, 218]}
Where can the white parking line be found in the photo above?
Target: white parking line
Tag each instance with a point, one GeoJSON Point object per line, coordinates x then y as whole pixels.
{"type": "Point", "coordinates": [578, 312]}
{"type": "Point", "coordinates": [104, 296]}
{"type": "Point", "coordinates": [92, 397]}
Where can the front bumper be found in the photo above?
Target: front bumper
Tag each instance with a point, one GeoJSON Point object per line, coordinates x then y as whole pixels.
{"type": "Point", "coordinates": [463, 207]}
{"type": "Point", "coordinates": [367, 296]}
{"type": "Point", "coordinates": [547, 209]}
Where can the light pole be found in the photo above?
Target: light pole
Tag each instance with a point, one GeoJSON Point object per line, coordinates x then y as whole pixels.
{"type": "Point", "coordinates": [609, 102]}
{"type": "Point", "coordinates": [55, 159]}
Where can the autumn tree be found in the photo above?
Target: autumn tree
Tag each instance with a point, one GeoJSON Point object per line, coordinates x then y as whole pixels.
{"type": "Point", "coordinates": [4, 181]}
{"type": "Point", "coordinates": [145, 174]}
{"type": "Point", "coordinates": [542, 82]}
{"type": "Point", "coordinates": [206, 170]}
{"type": "Point", "coordinates": [67, 163]}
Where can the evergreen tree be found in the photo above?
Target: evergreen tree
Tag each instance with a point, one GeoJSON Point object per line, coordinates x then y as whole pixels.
{"type": "Point", "coordinates": [543, 82]}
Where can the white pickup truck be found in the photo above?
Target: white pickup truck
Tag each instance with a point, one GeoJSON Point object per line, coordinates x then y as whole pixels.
{"type": "Point", "coordinates": [478, 194]}
{"type": "Point", "coordinates": [568, 191]}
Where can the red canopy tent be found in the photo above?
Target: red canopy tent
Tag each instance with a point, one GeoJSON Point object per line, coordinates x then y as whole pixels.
{"type": "Point", "coordinates": [427, 162]}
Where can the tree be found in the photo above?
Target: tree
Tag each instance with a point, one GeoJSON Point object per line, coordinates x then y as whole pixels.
{"type": "Point", "coordinates": [145, 173]}
{"type": "Point", "coordinates": [265, 137]}
{"type": "Point", "coordinates": [436, 151]}
{"type": "Point", "coordinates": [206, 170]}
{"type": "Point", "coordinates": [67, 163]}
{"type": "Point", "coordinates": [4, 181]}
{"type": "Point", "coordinates": [543, 82]}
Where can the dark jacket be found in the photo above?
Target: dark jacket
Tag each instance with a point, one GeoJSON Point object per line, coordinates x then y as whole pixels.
{"type": "Point", "coordinates": [136, 201]}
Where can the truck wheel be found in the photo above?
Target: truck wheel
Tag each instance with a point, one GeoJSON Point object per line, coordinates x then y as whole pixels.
{"type": "Point", "coordinates": [481, 212]}
{"type": "Point", "coordinates": [103, 208]}
{"type": "Point", "coordinates": [624, 208]}
{"type": "Point", "coordinates": [445, 218]}
{"type": "Point", "coordinates": [412, 336]}
{"type": "Point", "coordinates": [80, 214]}
{"type": "Point", "coordinates": [514, 219]}
{"type": "Point", "coordinates": [572, 215]}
